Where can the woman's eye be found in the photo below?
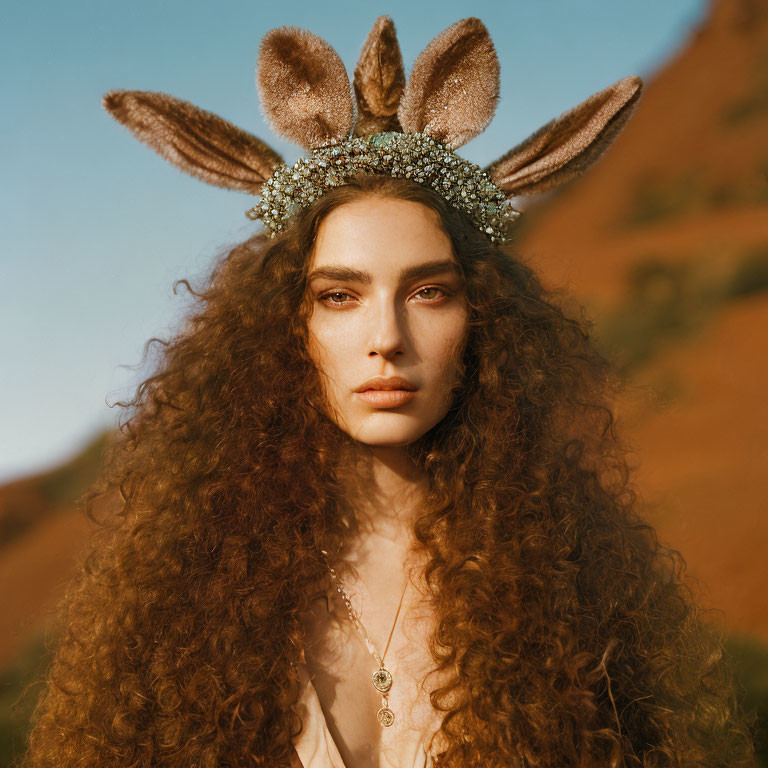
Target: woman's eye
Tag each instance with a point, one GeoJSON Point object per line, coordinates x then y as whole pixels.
{"type": "Point", "coordinates": [326, 297]}
{"type": "Point", "coordinates": [431, 288]}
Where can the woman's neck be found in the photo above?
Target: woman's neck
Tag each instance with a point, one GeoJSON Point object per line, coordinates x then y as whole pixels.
{"type": "Point", "coordinates": [383, 490]}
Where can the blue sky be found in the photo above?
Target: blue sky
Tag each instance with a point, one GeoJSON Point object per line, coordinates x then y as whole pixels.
{"type": "Point", "coordinates": [94, 227]}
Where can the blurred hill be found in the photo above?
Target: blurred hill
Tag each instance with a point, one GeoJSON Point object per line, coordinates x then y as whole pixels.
{"type": "Point", "coordinates": [41, 533]}
{"type": "Point", "coordinates": [686, 181]}
{"type": "Point", "coordinates": [665, 241]}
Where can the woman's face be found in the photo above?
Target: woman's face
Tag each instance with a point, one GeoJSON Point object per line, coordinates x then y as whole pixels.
{"type": "Point", "coordinates": [387, 301]}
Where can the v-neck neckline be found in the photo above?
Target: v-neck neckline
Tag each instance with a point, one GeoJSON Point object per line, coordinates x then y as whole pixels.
{"type": "Point", "coordinates": [315, 745]}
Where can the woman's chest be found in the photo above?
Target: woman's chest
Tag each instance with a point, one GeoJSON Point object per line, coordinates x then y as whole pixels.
{"type": "Point", "coordinates": [342, 666]}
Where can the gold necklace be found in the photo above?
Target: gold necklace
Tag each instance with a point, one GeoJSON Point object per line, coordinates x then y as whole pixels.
{"type": "Point", "coordinates": [382, 677]}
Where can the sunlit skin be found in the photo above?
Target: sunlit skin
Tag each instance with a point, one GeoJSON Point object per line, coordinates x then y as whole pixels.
{"type": "Point", "coordinates": [387, 300]}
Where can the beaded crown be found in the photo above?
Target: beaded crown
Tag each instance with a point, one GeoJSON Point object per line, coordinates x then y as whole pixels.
{"type": "Point", "coordinates": [413, 156]}
{"type": "Point", "coordinates": [384, 124]}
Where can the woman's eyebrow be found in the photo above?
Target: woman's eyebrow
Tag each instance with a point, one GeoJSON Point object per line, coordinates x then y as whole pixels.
{"type": "Point", "coordinates": [427, 269]}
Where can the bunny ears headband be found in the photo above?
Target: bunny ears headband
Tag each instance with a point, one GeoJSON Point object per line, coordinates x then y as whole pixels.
{"type": "Point", "coordinates": [407, 129]}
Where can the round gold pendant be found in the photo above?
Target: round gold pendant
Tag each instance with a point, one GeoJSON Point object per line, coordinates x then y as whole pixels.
{"type": "Point", "coordinates": [385, 717]}
{"type": "Point", "coordinates": [382, 680]}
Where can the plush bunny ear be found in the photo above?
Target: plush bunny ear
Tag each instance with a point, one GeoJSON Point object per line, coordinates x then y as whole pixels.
{"type": "Point", "coordinates": [379, 80]}
{"type": "Point", "coordinates": [303, 87]}
{"type": "Point", "coordinates": [569, 144]}
{"type": "Point", "coordinates": [198, 142]}
{"type": "Point", "coordinates": [452, 91]}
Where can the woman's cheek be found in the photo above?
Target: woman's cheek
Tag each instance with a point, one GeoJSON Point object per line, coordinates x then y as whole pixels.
{"type": "Point", "coordinates": [333, 362]}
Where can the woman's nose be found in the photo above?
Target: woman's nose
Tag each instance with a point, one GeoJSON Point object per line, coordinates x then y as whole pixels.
{"type": "Point", "coordinates": [388, 332]}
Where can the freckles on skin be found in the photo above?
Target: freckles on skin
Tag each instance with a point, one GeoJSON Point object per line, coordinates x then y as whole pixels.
{"type": "Point", "coordinates": [387, 300]}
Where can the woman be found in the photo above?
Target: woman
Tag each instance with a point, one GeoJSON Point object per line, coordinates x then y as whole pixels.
{"type": "Point", "coordinates": [305, 569]}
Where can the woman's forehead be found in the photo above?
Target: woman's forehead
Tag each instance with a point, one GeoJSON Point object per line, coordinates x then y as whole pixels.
{"type": "Point", "coordinates": [380, 235]}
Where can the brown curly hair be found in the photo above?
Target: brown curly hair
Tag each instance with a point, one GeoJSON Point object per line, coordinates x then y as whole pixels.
{"type": "Point", "coordinates": [567, 630]}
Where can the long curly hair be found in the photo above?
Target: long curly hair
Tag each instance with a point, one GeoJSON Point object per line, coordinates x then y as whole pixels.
{"type": "Point", "coordinates": [565, 631]}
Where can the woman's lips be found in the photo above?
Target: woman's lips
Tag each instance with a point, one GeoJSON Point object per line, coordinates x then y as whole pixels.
{"type": "Point", "coordinates": [386, 398]}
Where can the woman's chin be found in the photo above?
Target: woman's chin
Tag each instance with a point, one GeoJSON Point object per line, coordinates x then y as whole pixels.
{"type": "Point", "coordinates": [389, 435]}
{"type": "Point", "coordinates": [388, 427]}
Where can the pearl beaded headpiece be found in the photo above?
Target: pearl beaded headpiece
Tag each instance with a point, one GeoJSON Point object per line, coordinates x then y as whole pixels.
{"type": "Point", "coordinates": [406, 129]}
{"type": "Point", "coordinates": [413, 156]}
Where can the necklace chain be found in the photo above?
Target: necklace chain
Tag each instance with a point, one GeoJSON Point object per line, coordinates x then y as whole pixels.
{"type": "Point", "coordinates": [382, 677]}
